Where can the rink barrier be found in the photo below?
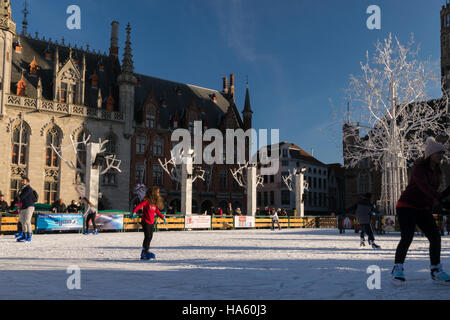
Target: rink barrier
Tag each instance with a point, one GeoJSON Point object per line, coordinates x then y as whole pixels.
{"type": "Point", "coordinates": [8, 223]}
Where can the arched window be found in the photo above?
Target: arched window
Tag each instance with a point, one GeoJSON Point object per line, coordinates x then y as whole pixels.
{"type": "Point", "coordinates": [20, 144]}
{"type": "Point", "coordinates": [53, 138]}
{"type": "Point", "coordinates": [110, 177]}
{"type": "Point", "coordinates": [81, 155]}
{"type": "Point", "coordinates": [19, 156]}
{"type": "Point", "coordinates": [51, 168]}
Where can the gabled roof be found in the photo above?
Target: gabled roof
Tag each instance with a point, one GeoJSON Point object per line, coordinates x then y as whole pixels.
{"type": "Point", "coordinates": [179, 97]}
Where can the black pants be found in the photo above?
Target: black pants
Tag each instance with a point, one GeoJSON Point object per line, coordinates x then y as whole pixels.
{"type": "Point", "coordinates": [408, 219]}
{"type": "Point", "coordinates": [367, 229]}
{"type": "Point", "coordinates": [148, 234]}
{"type": "Point", "coordinates": [91, 217]}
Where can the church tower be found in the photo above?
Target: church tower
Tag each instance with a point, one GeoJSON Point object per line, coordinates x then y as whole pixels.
{"type": "Point", "coordinates": [445, 46]}
{"type": "Point", "coordinates": [127, 82]}
{"type": "Point", "coordinates": [7, 34]}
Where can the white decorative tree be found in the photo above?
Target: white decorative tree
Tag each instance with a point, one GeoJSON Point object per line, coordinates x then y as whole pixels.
{"type": "Point", "coordinates": [96, 164]}
{"type": "Point", "coordinates": [246, 176]}
{"type": "Point", "coordinates": [392, 115]}
{"type": "Point", "coordinates": [186, 176]}
{"type": "Point", "coordinates": [299, 185]}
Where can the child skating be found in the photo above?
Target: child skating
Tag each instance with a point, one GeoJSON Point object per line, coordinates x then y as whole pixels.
{"type": "Point", "coordinates": [150, 205]}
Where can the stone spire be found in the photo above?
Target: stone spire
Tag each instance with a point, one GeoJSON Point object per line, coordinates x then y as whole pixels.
{"type": "Point", "coordinates": [127, 63]}
{"type": "Point", "coordinates": [247, 112]}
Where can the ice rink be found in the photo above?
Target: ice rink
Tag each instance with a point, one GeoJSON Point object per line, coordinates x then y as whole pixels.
{"type": "Point", "coordinates": [291, 264]}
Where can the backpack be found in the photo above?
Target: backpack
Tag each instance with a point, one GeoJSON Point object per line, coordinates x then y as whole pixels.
{"type": "Point", "coordinates": [35, 196]}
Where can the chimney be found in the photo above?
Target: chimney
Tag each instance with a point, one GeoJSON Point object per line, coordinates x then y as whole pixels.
{"type": "Point", "coordinates": [225, 85]}
{"type": "Point", "coordinates": [114, 49]}
{"type": "Point", "coordinates": [232, 85]}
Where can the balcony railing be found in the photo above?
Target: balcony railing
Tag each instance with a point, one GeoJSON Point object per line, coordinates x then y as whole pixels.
{"type": "Point", "coordinates": [63, 108]}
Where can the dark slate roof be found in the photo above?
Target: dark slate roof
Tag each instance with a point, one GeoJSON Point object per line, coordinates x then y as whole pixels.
{"type": "Point", "coordinates": [36, 48]}
{"type": "Point", "coordinates": [298, 153]}
{"type": "Point", "coordinates": [178, 103]}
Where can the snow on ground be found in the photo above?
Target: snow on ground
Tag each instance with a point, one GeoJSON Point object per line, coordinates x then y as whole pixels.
{"type": "Point", "coordinates": [291, 264]}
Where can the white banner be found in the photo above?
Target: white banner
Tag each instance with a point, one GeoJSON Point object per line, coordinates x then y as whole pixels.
{"type": "Point", "coordinates": [197, 222]}
{"type": "Point", "coordinates": [244, 222]}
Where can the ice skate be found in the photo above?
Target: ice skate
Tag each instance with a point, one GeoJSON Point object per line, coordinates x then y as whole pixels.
{"type": "Point", "coordinates": [95, 233]}
{"type": "Point", "coordinates": [22, 238]}
{"type": "Point", "coordinates": [374, 245]}
{"type": "Point", "coordinates": [439, 276]}
{"type": "Point", "coordinates": [18, 234]}
{"type": "Point", "coordinates": [362, 243]}
{"type": "Point", "coordinates": [398, 277]}
{"type": "Point", "coordinates": [86, 232]}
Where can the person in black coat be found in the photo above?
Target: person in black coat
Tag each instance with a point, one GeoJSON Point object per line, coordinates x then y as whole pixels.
{"type": "Point", "coordinates": [3, 204]}
{"type": "Point", "coordinates": [59, 206]}
{"type": "Point", "coordinates": [73, 207]}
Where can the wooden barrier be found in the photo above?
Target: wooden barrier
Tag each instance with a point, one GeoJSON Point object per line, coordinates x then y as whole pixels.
{"type": "Point", "coordinates": [8, 223]}
{"type": "Point", "coordinates": [222, 222]}
{"type": "Point", "coordinates": [173, 223]}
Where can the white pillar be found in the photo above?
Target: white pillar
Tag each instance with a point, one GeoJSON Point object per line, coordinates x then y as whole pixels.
{"type": "Point", "coordinates": [92, 175]}
{"type": "Point", "coordinates": [251, 191]}
{"type": "Point", "coordinates": [186, 186]}
{"type": "Point", "coordinates": [299, 190]}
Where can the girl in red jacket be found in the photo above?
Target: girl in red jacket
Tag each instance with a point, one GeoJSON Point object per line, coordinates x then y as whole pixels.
{"type": "Point", "coordinates": [414, 208]}
{"type": "Point", "coordinates": [150, 205]}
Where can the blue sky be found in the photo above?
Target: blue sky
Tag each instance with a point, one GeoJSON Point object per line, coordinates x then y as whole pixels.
{"type": "Point", "coordinates": [297, 54]}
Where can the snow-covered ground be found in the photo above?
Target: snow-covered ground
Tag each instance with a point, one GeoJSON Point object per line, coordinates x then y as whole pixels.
{"type": "Point", "coordinates": [239, 264]}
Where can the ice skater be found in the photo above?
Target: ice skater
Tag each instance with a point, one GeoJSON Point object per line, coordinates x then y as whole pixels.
{"type": "Point", "coordinates": [274, 217]}
{"type": "Point", "coordinates": [89, 215]}
{"type": "Point", "coordinates": [150, 206]}
{"type": "Point", "coordinates": [414, 208]}
{"type": "Point", "coordinates": [27, 199]}
{"type": "Point", "coordinates": [364, 209]}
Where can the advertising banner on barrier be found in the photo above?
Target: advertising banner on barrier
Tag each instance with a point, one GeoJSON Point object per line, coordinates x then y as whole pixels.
{"type": "Point", "coordinates": [59, 222]}
{"type": "Point", "coordinates": [109, 221]}
{"type": "Point", "coordinates": [197, 222]}
{"type": "Point", "coordinates": [244, 222]}
{"type": "Point", "coordinates": [388, 223]}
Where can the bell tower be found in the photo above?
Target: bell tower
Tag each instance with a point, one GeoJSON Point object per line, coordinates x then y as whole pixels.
{"type": "Point", "coordinates": [445, 46]}
{"type": "Point", "coordinates": [7, 34]}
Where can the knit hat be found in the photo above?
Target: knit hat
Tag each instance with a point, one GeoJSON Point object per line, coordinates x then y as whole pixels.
{"type": "Point", "coordinates": [432, 147]}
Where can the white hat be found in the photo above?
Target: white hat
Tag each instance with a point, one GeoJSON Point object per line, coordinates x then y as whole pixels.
{"type": "Point", "coordinates": [433, 147]}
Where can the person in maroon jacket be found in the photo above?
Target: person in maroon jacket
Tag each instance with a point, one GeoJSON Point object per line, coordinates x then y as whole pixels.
{"type": "Point", "coordinates": [414, 208]}
{"type": "Point", "coordinates": [150, 207]}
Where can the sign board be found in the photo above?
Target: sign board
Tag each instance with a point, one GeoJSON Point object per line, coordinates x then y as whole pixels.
{"type": "Point", "coordinates": [197, 222]}
{"type": "Point", "coordinates": [244, 222]}
{"type": "Point", "coordinates": [388, 223]}
{"type": "Point", "coordinates": [109, 221]}
{"type": "Point", "coordinates": [59, 222]}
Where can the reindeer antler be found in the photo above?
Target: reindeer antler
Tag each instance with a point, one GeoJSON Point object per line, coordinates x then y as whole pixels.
{"type": "Point", "coordinates": [111, 164]}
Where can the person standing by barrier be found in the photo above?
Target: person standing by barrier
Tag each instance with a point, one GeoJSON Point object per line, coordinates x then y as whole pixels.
{"type": "Point", "coordinates": [73, 207]}
{"type": "Point", "coordinates": [150, 207]}
{"type": "Point", "coordinates": [3, 204]}
{"type": "Point", "coordinates": [89, 215]}
{"type": "Point", "coordinates": [414, 208]}
{"type": "Point", "coordinates": [28, 198]}
{"type": "Point", "coordinates": [340, 222]}
{"type": "Point", "coordinates": [274, 217]}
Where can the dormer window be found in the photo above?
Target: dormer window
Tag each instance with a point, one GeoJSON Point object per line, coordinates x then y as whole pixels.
{"type": "Point", "coordinates": [101, 67]}
{"type": "Point", "coordinates": [33, 67]}
{"type": "Point", "coordinates": [21, 85]}
{"type": "Point", "coordinates": [164, 103]}
{"type": "Point", "coordinates": [179, 92]}
{"type": "Point", "coordinates": [18, 48]}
